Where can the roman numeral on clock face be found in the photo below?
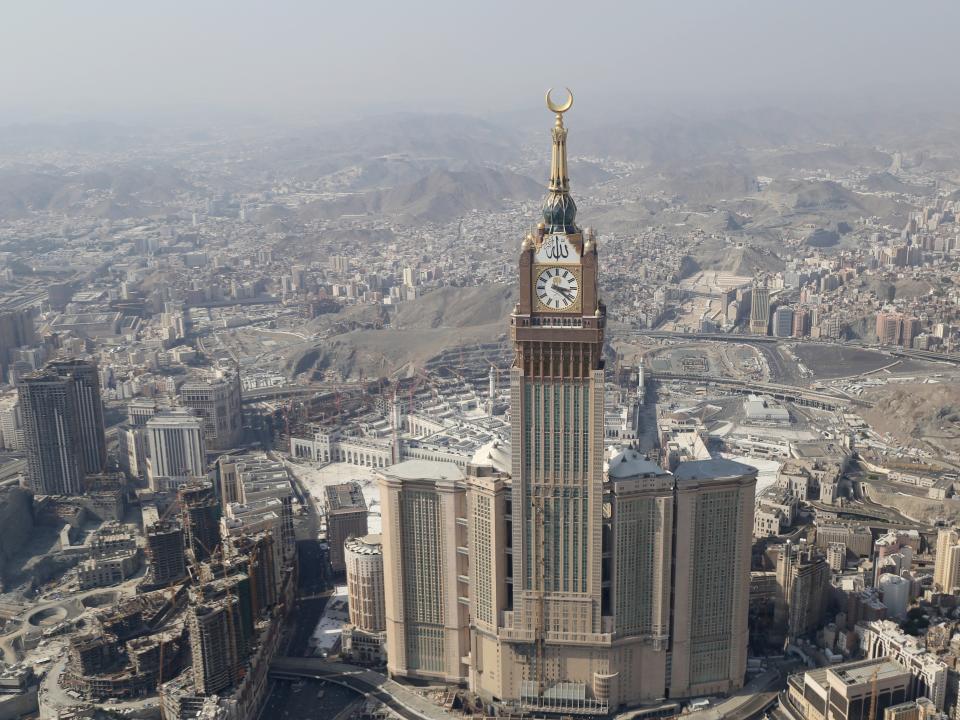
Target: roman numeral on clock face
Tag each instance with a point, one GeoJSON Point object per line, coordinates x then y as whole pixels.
{"type": "Point", "coordinates": [557, 288]}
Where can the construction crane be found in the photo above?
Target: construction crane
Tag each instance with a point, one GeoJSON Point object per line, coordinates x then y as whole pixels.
{"type": "Point", "coordinates": [539, 544]}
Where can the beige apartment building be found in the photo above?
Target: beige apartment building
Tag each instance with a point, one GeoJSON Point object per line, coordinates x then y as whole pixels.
{"type": "Point", "coordinates": [946, 569]}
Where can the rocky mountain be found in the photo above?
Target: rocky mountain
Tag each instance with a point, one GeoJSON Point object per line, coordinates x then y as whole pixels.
{"type": "Point", "coordinates": [418, 330]}
{"type": "Point", "coordinates": [440, 196]}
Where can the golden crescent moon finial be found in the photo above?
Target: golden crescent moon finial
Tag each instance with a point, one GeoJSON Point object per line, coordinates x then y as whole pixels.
{"type": "Point", "coordinates": [560, 109]}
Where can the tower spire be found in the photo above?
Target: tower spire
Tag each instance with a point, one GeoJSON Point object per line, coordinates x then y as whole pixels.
{"type": "Point", "coordinates": [559, 209]}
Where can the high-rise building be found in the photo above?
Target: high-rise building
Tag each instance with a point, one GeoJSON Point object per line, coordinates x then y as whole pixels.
{"type": "Point", "coordinates": [888, 328]}
{"type": "Point", "coordinates": [16, 330]}
{"type": "Point", "coordinates": [803, 587]}
{"type": "Point", "coordinates": [713, 530]}
{"type": "Point", "coordinates": [759, 310]}
{"type": "Point", "coordinates": [51, 433]}
{"type": "Point", "coordinates": [363, 638]}
{"type": "Point", "coordinates": [424, 570]}
{"type": "Point", "coordinates": [201, 512]}
{"type": "Point", "coordinates": [165, 553]}
{"type": "Point", "coordinates": [801, 322]}
{"type": "Point", "coordinates": [11, 423]}
{"type": "Point", "coordinates": [217, 401]}
{"type": "Point", "coordinates": [946, 568]}
{"type": "Point", "coordinates": [783, 321]}
{"type": "Point", "coordinates": [140, 410]}
{"type": "Point", "coordinates": [346, 512]}
{"type": "Point", "coordinates": [85, 381]}
{"type": "Point", "coordinates": [177, 452]}
{"type": "Point", "coordinates": [541, 579]}
{"type": "Point", "coordinates": [216, 643]}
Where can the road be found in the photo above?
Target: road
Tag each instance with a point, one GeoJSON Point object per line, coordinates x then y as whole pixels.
{"type": "Point", "coordinates": [750, 702]}
{"type": "Point", "coordinates": [401, 699]}
{"type": "Point", "coordinates": [952, 358]}
{"type": "Point", "coordinates": [804, 396]}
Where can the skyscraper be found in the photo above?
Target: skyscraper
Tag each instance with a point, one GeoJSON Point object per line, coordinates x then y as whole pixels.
{"type": "Point", "coordinates": [363, 637]}
{"type": "Point", "coordinates": [200, 511]}
{"type": "Point", "coordinates": [578, 588]}
{"type": "Point", "coordinates": [783, 321]}
{"type": "Point", "coordinates": [217, 401]}
{"type": "Point", "coordinates": [803, 585]}
{"type": "Point", "coordinates": [85, 377]}
{"type": "Point", "coordinates": [51, 433]}
{"type": "Point", "coordinates": [216, 643]}
{"type": "Point", "coordinates": [554, 637]}
{"type": "Point", "coordinates": [346, 512]}
{"type": "Point", "coordinates": [16, 330]}
{"type": "Point", "coordinates": [946, 568]}
{"type": "Point", "coordinates": [759, 310]}
{"type": "Point", "coordinates": [424, 570]}
{"type": "Point", "coordinates": [177, 452]}
{"type": "Point", "coordinates": [165, 553]}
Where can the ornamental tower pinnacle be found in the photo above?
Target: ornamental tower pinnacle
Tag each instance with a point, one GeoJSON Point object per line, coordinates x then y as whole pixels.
{"type": "Point", "coordinates": [559, 209]}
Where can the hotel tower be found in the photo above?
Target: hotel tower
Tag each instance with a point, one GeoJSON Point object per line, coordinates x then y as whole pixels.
{"type": "Point", "coordinates": [594, 578]}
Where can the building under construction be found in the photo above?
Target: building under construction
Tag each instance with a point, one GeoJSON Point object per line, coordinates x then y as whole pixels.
{"type": "Point", "coordinates": [200, 512]}
{"type": "Point", "coordinates": [165, 552]}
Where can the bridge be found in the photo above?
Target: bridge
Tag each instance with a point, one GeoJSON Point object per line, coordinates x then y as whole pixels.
{"type": "Point", "coordinates": [799, 395]}
{"type": "Point", "coordinates": [403, 700]}
{"type": "Point", "coordinates": [930, 355]}
{"type": "Point", "coordinates": [278, 391]}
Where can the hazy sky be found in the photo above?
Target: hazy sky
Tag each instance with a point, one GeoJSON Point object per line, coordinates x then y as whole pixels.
{"type": "Point", "coordinates": [307, 59]}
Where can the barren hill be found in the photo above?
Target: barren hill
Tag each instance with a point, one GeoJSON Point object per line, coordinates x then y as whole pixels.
{"type": "Point", "coordinates": [420, 329]}
{"type": "Point", "coordinates": [440, 196]}
{"type": "Point", "coordinates": [918, 413]}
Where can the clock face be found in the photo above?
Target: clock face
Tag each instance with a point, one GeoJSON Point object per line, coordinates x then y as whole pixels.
{"type": "Point", "coordinates": [557, 288]}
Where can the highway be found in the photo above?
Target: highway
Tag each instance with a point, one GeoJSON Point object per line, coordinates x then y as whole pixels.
{"type": "Point", "coordinates": [407, 703]}
{"type": "Point", "coordinates": [801, 396]}
{"type": "Point", "coordinates": [952, 358]}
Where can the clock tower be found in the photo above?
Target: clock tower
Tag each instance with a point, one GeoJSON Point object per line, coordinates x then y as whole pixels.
{"type": "Point", "coordinates": [556, 633]}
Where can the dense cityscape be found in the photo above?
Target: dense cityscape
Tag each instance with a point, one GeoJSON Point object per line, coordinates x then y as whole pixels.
{"type": "Point", "coordinates": [427, 416]}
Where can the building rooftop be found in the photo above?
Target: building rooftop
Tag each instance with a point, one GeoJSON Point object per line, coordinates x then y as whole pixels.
{"type": "Point", "coordinates": [714, 468]}
{"type": "Point", "coordinates": [860, 673]}
{"type": "Point", "coordinates": [632, 463]}
{"type": "Point", "coordinates": [345, 497]}
{"type": "Point", "coordinates": [367, 545]}
{"type": "Point", "coordinates": [424, 470]}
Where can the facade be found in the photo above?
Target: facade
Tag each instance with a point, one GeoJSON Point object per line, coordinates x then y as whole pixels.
{"type": "Point", "coordinates": [177, 450]}
{"type": "Point", "coordinates": [16, 330]}
{"type": "Point", "coordinates": [946, 569]}
{"type": "Point", "coordinates": [11, 423]}
{"type": "Point", "coordinates": [216, 643]}
{"type": "Point", "coordinates": [712, 577]}
{"type": "Point", "coordinates": [165, 553]}
{"type": "Point", "coordinates": [248, 480]}
{"type": "Point", "coordinates": [541, 579]}
{"type": "Point", "coordinates": [759, 310]}
{"type": "Point", "coordinates": [85, 379]}
{"type": "Point", "coordinates": [346, 512]}
{"type": "Point", "coordinates": [783, 321]}
{"type": "Point", "coordinates": [803, 586]}
{"type": "Point", "coordinates": [364, 636]}
{"type": "Point", "coordinates": [425, 570]}
{"type": "Point", "coordinates": [857, 538]}
{"type": "Point", "coordinates": [200, 511]}
{"type": "Point", "coordinates": [846, 691]}
{"type": "Point", "coordinates": [217, 401]}
{"type": "Point", "coordinates": [52, 433]}
{"type": "Point", "coordinates": [929, 675]}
